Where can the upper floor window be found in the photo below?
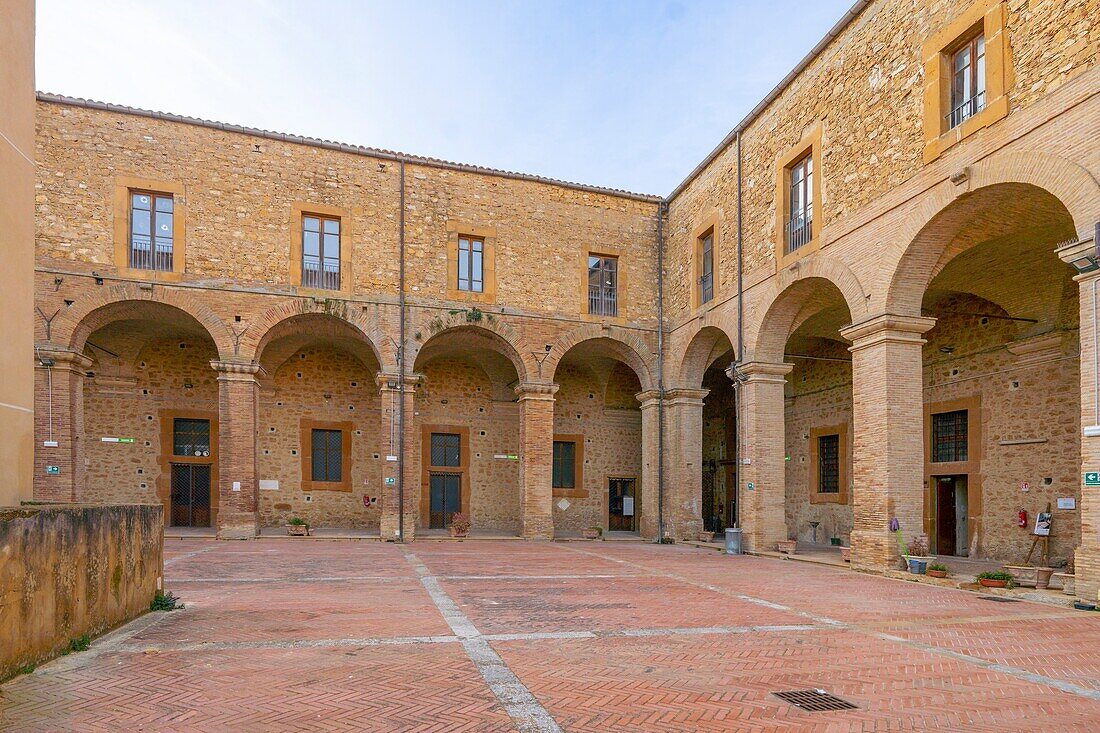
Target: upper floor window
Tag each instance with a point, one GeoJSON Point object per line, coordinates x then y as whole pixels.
{"type": "Point", "coordinates": [564, 464]}
{"type": "Point", "coordinates": [950, 436]}
{"type": "Point", "coordinates": [800, 199]}
{"type": "Point", "coordinates": [706, 267]}
{"type": "Point", "coordinates": [471, 264]}
{"type": "Point", "coordinates": [152, 230]}
{"type": "Point", "coordinates": [321, 252]}
{"type": "Point", "coordinates": [603, 285]}
{"type": "Point", "coordinates": [967, 80]}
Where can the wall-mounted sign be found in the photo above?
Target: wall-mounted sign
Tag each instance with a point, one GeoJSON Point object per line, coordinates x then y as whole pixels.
{"type": "Point", "coordinates": [53, 470]}
{"type": "Point", "coordinates": [390, 481]}
{"type": "Point", "coordinates": [1025, 486]}
{"type": "Point", "coordinates": [506, 457]}
{"type": "Point", "coordinates": [751, 486]}
{"type": "Point", "coordinates": [267, 484]}
{"type": "Point", "coordinates": [1092, 478]}
{"type": "Point", "coordinates": [391, 458]}
{"type": "Point", "coordinates": [628, 506]}
{"type": "Point", "coordinates": [116, 440]}
{"type": "Point", "coordinates": [1042, 524]}
{"type": "Point", "coordinates": [1067, 502]}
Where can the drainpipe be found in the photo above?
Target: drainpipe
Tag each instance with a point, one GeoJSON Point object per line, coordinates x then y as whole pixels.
{"type": "Point", "coordinates": [661, 208]}
{"type": "Point", "coordinates": [740, 355]}
{"type": "Point", "coordinates": [401, 363]}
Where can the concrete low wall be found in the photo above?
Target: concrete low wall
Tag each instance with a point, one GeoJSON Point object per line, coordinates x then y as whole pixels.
{"type": "Point", "coordinates": [68, 570]}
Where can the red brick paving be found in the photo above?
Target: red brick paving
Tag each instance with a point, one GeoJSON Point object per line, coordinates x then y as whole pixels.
{"type": "Point", "coordinates": [314, 635]}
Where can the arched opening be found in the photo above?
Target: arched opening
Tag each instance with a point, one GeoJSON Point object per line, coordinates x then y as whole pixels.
{"type": "Point", "coordinates": [597, 454]}
{"type": "Point", "coordinates": [1001, 374]}
{"type": "Point", "coordinates": [706, 360]}
{"type": "Point", "coordinates": [150, 411]}
{"type": "Point", "coordinates": [468, 428]}
{"type": "Point", "coordinates": [320, 440]}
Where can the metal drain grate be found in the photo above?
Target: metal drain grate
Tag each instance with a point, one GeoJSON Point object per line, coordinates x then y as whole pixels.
{"type": "Point", "coordinates": [815, 701]}
{"type": "Point", "coordinates": [998, 599]}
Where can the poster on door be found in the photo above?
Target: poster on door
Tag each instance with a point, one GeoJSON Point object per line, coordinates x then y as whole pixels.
{"type": "Point", "coordinates": [628, 506]}
{"type": "Point", "coordinates": [1042, 524]}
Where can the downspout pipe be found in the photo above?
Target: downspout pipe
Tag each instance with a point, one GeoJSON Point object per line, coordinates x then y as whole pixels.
{"type": "Point", "coordinates": [401, 361]}
{"type": "Point", "coordinates": [739, 356]}
{"type": "Point", "coordinates": [661, 210]}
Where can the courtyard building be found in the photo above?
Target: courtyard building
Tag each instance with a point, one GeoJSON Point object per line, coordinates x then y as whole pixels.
{"type": "Point", "coordinates": [875, 300]}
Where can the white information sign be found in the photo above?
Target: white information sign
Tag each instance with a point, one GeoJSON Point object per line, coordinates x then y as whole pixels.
{"type": "Point", "coordinates": [628, 506]}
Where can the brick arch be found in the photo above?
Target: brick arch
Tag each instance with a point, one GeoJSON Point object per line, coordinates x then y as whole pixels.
{"type": "Point", "coordinates": [929, 230]}
{"type": "Point", "coordinates": [699, 353]}
{"type": "Point", "coordinates": [260, 332]}
{"type": "Point", "coordinates": [626, 346]}
{"type": "Point", "coordinates": [125, 300]}
{"type": "Point", "coordinates": [496, 333]}
{"type": "Point", "coordinates": [785, 311]}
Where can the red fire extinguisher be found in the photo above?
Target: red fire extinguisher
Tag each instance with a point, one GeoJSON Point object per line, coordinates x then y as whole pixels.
{"type": "Point", "coordinates": [1021, 518]}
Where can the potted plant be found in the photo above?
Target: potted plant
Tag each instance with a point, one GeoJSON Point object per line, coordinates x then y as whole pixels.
{"type": "Point", "coordinates": [937, 570]}
{"type": "Point", "coordinates": [460, 525]}
{"type": "Point", "coordinates": [787, 547]}
{"type": "Point", "coordinates": [297, 527]}
{"type": "Point", "coordinates": [918, 558]}
{"type": "Point", "coordinates": [995, 579]}
{"type": "Point", "coordinates": [592, 533]}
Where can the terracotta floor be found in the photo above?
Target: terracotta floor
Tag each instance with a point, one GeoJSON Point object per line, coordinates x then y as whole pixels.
{"type": "Point", "coordinates": [281, 635]}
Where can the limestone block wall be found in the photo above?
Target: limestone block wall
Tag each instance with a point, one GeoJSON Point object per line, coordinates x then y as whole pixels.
{"type": "Point", "coordinates": [71, 570]}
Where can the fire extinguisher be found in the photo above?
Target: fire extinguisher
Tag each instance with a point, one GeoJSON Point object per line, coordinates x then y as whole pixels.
{"type": "Point", "coordinates": [1021, 518]}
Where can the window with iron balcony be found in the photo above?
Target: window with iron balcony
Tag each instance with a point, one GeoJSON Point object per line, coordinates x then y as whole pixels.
{"type": "Point", "coordinates": [967, 80]}
{"type": "Point", "coordinates": [798, 230]}
{"type": "Point", "coordinates": [321, 252]}
{"type": "Point", "coordinates": [603, 284]}
{"type": "Point", "coordinates": [706, 267]}
{"type": "Point", "coordinates": [152, 230]}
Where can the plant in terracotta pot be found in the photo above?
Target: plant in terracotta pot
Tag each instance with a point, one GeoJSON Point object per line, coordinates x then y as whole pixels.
{"type": "Point", "coordinates": [995, 579]}
{"type": "Point", "coordinates": [937, 570]}
{"type": "Point", "coordinates": [297, 527]}
{"type": "Point", "coordinates": [460, 525]}
{"type": "Point", "coordinates": [592, 533]}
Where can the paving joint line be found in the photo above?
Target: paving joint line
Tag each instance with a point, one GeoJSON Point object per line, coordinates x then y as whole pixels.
{"type": "Point", "coordinates": [1016, 672]}
{"type": "Point", "coordinates": [522, 706]}
{"type": "Point", "coordinates": [187, 555]}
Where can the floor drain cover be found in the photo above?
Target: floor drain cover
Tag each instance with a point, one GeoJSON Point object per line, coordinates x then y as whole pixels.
{"type": "Point", "coordinates": [814, 700]}
{"type": "Point", "coordinates": [998, 599]}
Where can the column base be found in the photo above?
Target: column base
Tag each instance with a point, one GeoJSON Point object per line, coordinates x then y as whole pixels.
{"type": "Point", "coordinates": [1086, 573]}
{"type": "Point", "coordinates": [238, 526]}
{"type": "Point", "coordinates": [874, 551]}
{"type": "Point", "coordinates": [389, 527]}
{"type": "Point", "coordinates": [538, 528]}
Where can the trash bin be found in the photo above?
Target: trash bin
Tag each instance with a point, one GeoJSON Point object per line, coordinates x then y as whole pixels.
{"type": "Point", "coordinates": [733, 540]}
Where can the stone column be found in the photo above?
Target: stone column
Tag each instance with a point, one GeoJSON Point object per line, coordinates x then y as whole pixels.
{"type": "Point", "coordinates": [536, 420]}
{"type": "Point", "coordinates": [684, 453]}
{"type": "Point", "coordinates": [647, 492]}
{"type": "Point", "coordinates": [59, 411]}
{"type": "Point", "coordinates": [238, 424]}
{"type": "Point", "coordinates": [1086, 558]}
{"type": "Point", "coordinates": [409, 467]}
{"type": "Point", "coordinates": [888, 422]}
{"type": "Point", "coordinates": [762, 492]}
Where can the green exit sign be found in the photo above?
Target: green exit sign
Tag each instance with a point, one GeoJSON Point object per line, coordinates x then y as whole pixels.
{"type": "Point", "coordinates": [1092, 478]}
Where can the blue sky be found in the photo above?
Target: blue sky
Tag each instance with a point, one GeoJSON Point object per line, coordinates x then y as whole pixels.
{"type": "Point", "coordinates": [629, 94]}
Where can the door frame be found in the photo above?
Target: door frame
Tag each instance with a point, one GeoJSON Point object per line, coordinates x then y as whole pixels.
{"type": "Point", "coordinates": [607, 500]}
{"type": "Point", "coordinates": [165, 459]}
{"type": "Point", "coordinates": [971, 468]}
{"type": "Point", "coordinates": [426, 469]}
{"type": "Point", "coordinates": [438, 472]}
{"type": "Point", "coordinates": [209, 494]}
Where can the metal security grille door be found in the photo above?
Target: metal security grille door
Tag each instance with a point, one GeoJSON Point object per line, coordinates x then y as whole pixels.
{"type": "Point", "coordinates": [190, 495]}
{"type": "Point", "coordinates": [620, 504]}
{"type": "Point", "coordinates": [446, 499]}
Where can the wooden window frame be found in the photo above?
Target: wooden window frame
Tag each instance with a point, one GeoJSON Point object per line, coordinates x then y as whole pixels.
{"type": "Point", "coordinates": [706, 227]}
{"type": "Point", "coordinates": [307, 427]}
{"type": "Point", "coordinates": [578, 491]}
{"type": "Point", "coordinates": [323, 219]}
{"type": "Point", "coordinates": [470, 251]}
{"type": "Point", "coordinates": [603, 257]}
{"type": "Point", "coordinates": [154, 198]}
{"type": "Point", "coordinates": [427, 469]}
{"type": "Point", "coordinates": [808, 147]}
{"type": "Point", "coordinates": [972, 467]}
{"type": "Point", "coordinates": [125, 187]}
{"type": "Point", "coordinates": [457, 230]}
{"type": "Point", "coordinates": [296, 227]}
{"type": "Point", "coordinates": [986, 18]}
{"type": "Point", "coordinates": [969, 44]}
{"type": "Point", "coordinates": [844, 460]}
{"type": "Point", "coordinates": [933, 447]}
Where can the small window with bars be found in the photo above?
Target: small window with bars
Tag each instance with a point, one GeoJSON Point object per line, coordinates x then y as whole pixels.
{"type": "Point", "coordinates": [800, 200]}
{"type": "Point", "coordinates": [190, 437]}
{"type": "Point", "coordinates": [152, 229]}
{"type": "Point", "coordinates": [471, 264]}
{"type": "Point", "coordinates": [706, 268]}
{"type": "Point", "coordinates": [828, 464]}
{"type": "Point", "coordinates": [321, 252]}
{"type": "Point", "coordinates": [603, 285]}
{"type": "Point", "coordinates": [446, 449]}
{"type": "Point", "coordinates": [327, 460]}
{"type": "Point", "coordinates": [950, 436]}
{"type": "Point", "coordinates": [565, 464]}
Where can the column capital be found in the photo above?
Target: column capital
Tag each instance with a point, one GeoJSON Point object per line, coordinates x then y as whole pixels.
{"type": "Point", "coordinates": [387, 381]}
{"type": "Point", "coordinates": [1081, 253]}
{"type": "Point", "coordinates": [686, 396]}
{"type": "Point", "coordinates": [236, 371]}
{"type": "Point", "coordinates": [536, 390]}
{"type": "Point", "coordinates": [62, 357]}
{"type": "Point", "coordinates": [648, 398]}
{"type": "Point", "coordinates": [887, 328]}
{"type": "Point", "coordinates": [761, 372]}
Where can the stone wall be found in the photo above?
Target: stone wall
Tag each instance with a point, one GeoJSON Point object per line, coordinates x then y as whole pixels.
{"type": "Point", "coordinates": [66, 571]}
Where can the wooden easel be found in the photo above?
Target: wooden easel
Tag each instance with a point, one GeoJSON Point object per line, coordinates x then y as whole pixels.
{"type": "Point", "coordinates": [1045, 540]}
